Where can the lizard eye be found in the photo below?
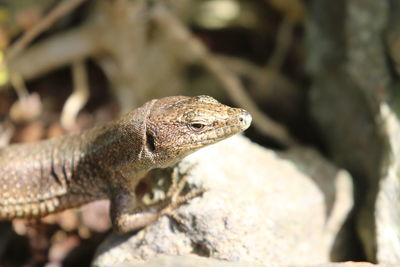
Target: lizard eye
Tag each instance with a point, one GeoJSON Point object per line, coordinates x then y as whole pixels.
{"type": "Point", "coordinates": [196, 126]}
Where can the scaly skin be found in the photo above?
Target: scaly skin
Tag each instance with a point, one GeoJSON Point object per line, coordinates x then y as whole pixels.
{"type": "Point", "coordinates": [107, 162]}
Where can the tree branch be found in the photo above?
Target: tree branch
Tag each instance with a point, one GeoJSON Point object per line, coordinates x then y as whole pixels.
{"type": "Point", "coordinates": [63, 8]}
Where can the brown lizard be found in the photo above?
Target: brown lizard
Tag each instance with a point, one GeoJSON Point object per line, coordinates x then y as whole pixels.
{"type": "Point", "coordinates": [107, 162]}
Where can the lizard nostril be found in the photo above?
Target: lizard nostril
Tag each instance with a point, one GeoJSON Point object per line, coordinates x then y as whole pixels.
{"type": "Point", "coordinates": [245, 119]}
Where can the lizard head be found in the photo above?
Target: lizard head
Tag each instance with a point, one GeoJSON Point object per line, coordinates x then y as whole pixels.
{"type": "Point", "coordinates": [179, 125]}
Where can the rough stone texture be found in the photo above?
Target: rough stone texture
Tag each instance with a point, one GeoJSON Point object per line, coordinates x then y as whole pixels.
{"type": "Point", "coordinates": [387, 210]}
{"type": "Point", "coordinates": [195, 261]}
{"type": "Point", "coordinates": [260, 206]}
{"type": "Point", "coordinates": [353, 101]}
{"type": "Point", "coordinates": [387, 203]}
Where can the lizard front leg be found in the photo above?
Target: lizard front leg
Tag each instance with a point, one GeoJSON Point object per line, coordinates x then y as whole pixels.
{"type": "Point", "coordinates": [128, 213]}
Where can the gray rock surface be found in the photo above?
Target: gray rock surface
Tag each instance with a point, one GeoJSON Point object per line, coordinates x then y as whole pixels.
{"type": "Point", "coordinates": [186, 261]}
{"type": "Point", "coordinates": [354, 100]}
{"type": "Point", "coordinates": [260, 206]}
{"type": "Point", "coordinates": [195, 261]}
{"type": "Point", "coordinates": [387, 209]}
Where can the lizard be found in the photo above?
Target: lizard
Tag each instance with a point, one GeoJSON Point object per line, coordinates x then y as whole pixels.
{"type": "Point", "coordinates": [109, 161]}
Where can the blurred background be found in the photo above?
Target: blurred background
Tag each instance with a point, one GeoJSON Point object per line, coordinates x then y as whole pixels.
{"type": "Point", "coordinates": [316, 73]}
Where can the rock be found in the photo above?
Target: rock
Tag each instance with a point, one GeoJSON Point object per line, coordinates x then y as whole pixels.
{"type": "Point", "coordinates": [186, 261]}
{"type": "Point", "coordinates": [195, 261]}
{"type": "Point", "coordinates": [387, 210]}
{"type": "Point", "coordinates": [355, 104]}
{"type": "Point", "coordinates": [260, 206]}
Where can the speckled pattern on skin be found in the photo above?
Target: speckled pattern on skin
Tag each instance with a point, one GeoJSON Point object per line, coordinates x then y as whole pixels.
{"type": "Point", "coordinates": [107, 162]}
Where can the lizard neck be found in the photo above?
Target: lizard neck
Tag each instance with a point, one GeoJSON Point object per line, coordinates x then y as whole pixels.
{"type": "Point", "coordinates": [121, 146]}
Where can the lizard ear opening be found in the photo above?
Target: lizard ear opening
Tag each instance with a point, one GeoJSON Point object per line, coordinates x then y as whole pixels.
{"type": "Point", "coordinates": [150, 142]}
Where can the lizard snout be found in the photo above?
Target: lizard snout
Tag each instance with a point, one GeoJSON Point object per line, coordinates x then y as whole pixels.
{"type": "Point", "coordinates": [244, 119]}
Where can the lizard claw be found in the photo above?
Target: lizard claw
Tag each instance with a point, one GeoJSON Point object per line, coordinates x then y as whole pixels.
{"type": "Point", "coordinates": [130, 215]}
{"type": "Point", "coordinates": [174, 196]}
{"type": "Point", "coordinates": [177, 185]}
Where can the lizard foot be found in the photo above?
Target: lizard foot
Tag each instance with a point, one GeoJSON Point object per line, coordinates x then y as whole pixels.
{"type": "Point", "coordinates": [174, 197]}
{"type": "Point", "coordinates": [128, 215]}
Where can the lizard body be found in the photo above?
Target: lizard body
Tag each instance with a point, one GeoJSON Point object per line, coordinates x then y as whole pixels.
{"type": "Point", "coordinates": [107, 162]}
